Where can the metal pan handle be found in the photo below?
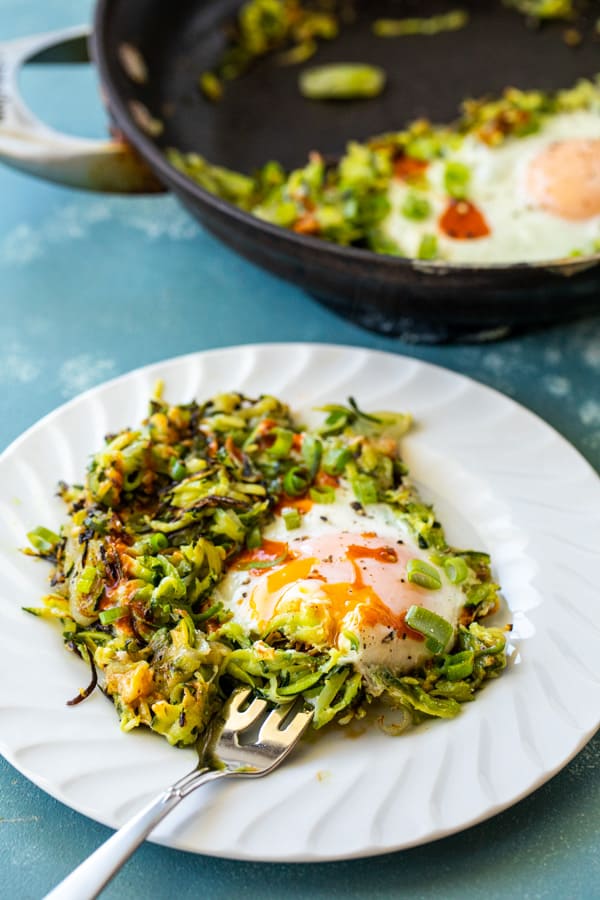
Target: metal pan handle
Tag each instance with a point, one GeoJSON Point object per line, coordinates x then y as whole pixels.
{"type": "Point", "coordinates": [26, 143]}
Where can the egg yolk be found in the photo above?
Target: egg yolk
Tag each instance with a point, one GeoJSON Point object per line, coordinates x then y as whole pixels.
{"type": "Point", "coordinates": [564, 179]}
{"type": "Point", "coordinates": [359, 574]}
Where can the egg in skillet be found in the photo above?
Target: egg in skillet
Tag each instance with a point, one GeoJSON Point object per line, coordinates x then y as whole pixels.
{"type": "Point", "coordinates": [530, 198]}
{"type": "Point", "coordinates": [344, 579]}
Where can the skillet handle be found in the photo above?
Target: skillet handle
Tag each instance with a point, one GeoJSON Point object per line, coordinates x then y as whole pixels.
{"type": "Point", "coordinates": [110, 166]}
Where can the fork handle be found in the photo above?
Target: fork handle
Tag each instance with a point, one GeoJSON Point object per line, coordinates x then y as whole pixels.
{"type": "Point", "coordinates": [91, 876]}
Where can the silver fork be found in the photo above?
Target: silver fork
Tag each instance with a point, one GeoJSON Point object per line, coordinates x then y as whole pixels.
{"type": "Point", "coordinates": [247, 740]}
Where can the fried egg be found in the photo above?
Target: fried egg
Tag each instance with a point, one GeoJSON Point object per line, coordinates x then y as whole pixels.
{"type": "Point", "coordinates": [339, 581]}
{"type": "Point", "coordinates": [530, 198]}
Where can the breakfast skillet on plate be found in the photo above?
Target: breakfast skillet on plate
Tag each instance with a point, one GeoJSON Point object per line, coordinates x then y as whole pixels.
{"type": "Point", "coordinates": [222, 544]}
{"type": "Point", "coordinates": [474, 456]}
{"type": "Point", "coordinates": [474, 226]}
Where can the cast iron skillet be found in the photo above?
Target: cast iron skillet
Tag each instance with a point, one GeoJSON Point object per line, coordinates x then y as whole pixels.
{"type": "Point", "coordinates": [264, 117]}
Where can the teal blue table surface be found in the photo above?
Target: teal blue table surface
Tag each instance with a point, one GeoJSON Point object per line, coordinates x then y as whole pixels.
{"type": "Point", "coordinates": [92, 286]}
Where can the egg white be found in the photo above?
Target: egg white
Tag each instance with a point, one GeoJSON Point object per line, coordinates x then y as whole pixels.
{"type": "Point", "coordinates": [521, 231]}
{"type": "Point", "coordinates": [378, 643]}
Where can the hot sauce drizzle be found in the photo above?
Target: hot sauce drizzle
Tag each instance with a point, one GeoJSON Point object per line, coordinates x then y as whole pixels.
{"type": "Point", "coordinates": [406, 168]}
{"type": "Point", "coordinates": [269, 551]}
{"type": "Point", "coordinates": [462, 221]}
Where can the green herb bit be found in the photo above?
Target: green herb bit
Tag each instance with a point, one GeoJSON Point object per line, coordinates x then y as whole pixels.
{"type": "Point", "coordinates": [428, 248]}
{"type": "Point", "coordinates": [322, 494]}
{"type": "Point", "coordinates": [108, 616]}
{"type": "Point", "coordinates": [312, 453]}
{"type": "Point", "coordinates": [282, 443]}
{"type": "Point", "coordinates": [456, 180]}
{"type": "Point", "coordinates": [422, 573]}
{"type": "Point", "coordinates": [292, 519]}
{"type": "Point", "coordinates": [295, 481]}
{"type": "Point", "coordinates": [365, 489]}
{"type": "Point", "coordinates": [342, 81]}
{"type": "Point", "coordinates": [363, 415]}
{"type": "Point", "coordinates": [225, 183]}
{"type": "Point", "coordinates": [456, 569]}
{"type": "Point", "coordinates": [298, 54]}
{"type": "Point", "coordinates": [379, 242]}
{"type": "Point", "coordinates": [340, 417]}
{"type": "Point", "coordinates": [416, 207]}
{"type": "Point", "coordinates": [211, 86]}
{"type": "Point", "coordinates": [254, 538]}
{"type": "Point", "coordinates": [544, 9]}
{"type": "Point", "coordinates": [335, 460]}
{"type": "Point", "coordinates": [278, 212]}
{"type": "Point", "coordinates": [428, 26]}
{"type": "Point", "coordinates": [459, 665]}
{"type": "Point", "coordinates": [43, 540]}
{"type": "Point", "coordinates": [485, 594]}
{"type": "Point", "coordinates": [436, 630]}
{"type": "Point", "coordinates": [86, 580]}
{"type": "Point", "coordinates": [178, 470]}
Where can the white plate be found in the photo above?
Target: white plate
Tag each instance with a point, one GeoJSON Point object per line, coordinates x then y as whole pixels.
{"type": "Point", "coordinates": [501, 480]}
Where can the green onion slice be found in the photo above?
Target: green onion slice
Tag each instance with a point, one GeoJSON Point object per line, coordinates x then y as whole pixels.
{"type": "Point", "coordinates": [254, 538]}
{"type": "Point", "coordinates": [312, 451]}
{"type": "Point", "coordinates": [428, 247]}
{"type": "Point", "coordinates": [420, 572]}
{"type": "Point", "coordinates": [335, 459]}
{"type": "Point", "coordinates": [282, 443]}
{"type": "Point", "coordinates": [434, 628]}
{"type": "Point", "coordinates": [341, 81]}
{"type": "Point", "coordinates": [178, 470]}
{"type": "Point", "coordinates": [295, 481]}
{"type": "Point", "coordinates": [456, 569]}
{"type": "Point", "coordinates": [459, 665]}
{"type": "Point", "coordinates": [365, 489]}
{"type": "Point", "coordinates": [108, 616]}
{"type": "Point", "coordinates": [86, 580]}
{"type": "Point", "coordinates": [416, 207]}
{"type": "Point", "coordinates": [322, 494]}
{"type": "Point", "coordinates": [158, 542]}
{"type": "Point", "coordinates": [456, 179]}
{"type": "Point", "coordinates": [42, 539]}
{"type": "Point", "coordinates": [292, 518]}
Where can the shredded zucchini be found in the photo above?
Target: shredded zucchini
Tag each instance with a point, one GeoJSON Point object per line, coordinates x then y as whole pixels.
{"type": "Point", "coordinates": [166, 510]}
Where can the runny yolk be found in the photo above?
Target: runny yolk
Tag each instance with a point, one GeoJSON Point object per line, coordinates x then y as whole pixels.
{"type": "Point", "coordinates": [564, 179]}
{"type": "Point", "coordinates": [462, 221]}
{"type": "Point", "coordinates": [359, 574]}
{"type": "Point", "coordinates": [289, 573]}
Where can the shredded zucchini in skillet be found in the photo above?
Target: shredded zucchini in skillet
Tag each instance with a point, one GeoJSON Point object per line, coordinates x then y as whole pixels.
{"type": "Point", "coordinates": [293, 30]}
{"type": "Point", "coordinates": [348, 202]}
{"type": "Point", "coordinates": [169, 506]}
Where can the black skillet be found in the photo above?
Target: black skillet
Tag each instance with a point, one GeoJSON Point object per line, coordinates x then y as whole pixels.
{"type": "Point", "coordinates": [263, 116]}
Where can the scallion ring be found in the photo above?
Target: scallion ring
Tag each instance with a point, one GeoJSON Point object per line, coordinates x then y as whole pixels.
{"type": "Point", "coordinates": [456, 569]}
{"type": "Point", "coordinates": [422, 573]}
{"type": "Point", "coordinates": [295, 481]}
{"type": "Point", "coordinates": [108, 616]}
{"type": "Point", "coordinates": [436, 630]}
{"type": "Point", "coordinates": [322, 494]}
